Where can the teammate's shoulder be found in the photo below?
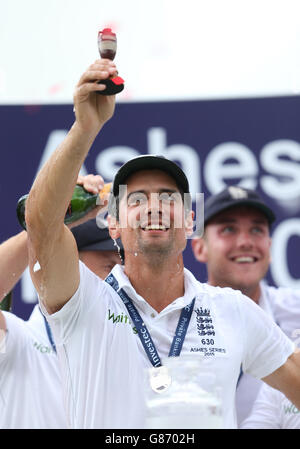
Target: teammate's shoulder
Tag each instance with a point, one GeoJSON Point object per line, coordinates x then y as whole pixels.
{"type": "Point", "coordinates": [210, 290]}
{"type": "Point", "coordinates": [283, 292]}
{"type": "Point", "coordinates": [222, 292]}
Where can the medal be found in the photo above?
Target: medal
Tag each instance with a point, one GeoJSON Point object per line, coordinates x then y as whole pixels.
{"type": "Point", "coordinates": [160, 379]}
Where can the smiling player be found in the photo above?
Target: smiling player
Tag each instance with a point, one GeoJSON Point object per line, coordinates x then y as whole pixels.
{"type": "Point", "coordinates": [236, 248]}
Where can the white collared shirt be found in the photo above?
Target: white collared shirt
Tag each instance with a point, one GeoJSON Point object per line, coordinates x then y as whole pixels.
{"type": "Point", "coordinates": [249, 386]}
{"type": "Point", "coordinates": [30, 382]}
{"type": "Point", "coordinates": [272, 410]}
{"type": "Point", "coordinates": [283, 306]}
{"type": "Point", "coordinates": [103, 360]}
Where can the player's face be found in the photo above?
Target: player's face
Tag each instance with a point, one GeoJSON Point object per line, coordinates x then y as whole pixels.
{"type": "Point", "coordinates": [236, 248]}
{"type": "Point", "coordinates": [151, 215]}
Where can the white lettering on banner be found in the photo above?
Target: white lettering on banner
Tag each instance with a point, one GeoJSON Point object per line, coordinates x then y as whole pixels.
{"type": "Point", "coordinates": [54, 140]}
{"type": "Point", "coordinates": [186, 155]}
{"type": "Point", "coordinates": [109, 160]}
{"type": "Point", "coordinates": [280, 160]}
{"type": "Point", "coordinates": [287, 184]}
{"type": "Point", "coordinates": [216, 170]}
{"type": "Point", "coordinates": [279, 266]}
{"type": "Point", "coordinates": [228, 160]}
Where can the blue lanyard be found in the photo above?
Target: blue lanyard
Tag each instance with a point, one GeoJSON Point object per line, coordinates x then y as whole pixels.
{"type": "Point", "coordinates": [49, 333]}
{"type": "Point", "coordinates": [144, 335]}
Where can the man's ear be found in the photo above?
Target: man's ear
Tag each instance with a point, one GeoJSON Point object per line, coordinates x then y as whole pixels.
{"type": "Point", "coordinates": [113, 227]}
{"type": "Point", "coordinates": [199, 249]}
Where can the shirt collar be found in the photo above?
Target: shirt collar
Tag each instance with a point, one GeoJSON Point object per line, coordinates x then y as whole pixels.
{"type": "Point", "coordinates": [36, 316]}
{"type": "Point", "coordinates": [191, 287]}
{"type": "Point", "coordinates": [265, 301]}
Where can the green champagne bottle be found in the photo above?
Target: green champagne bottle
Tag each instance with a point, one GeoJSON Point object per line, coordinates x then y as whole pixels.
{"type": "Point", "coordinates": [6, 303]}
{"type": "Point", "coordinates": [81, 203]}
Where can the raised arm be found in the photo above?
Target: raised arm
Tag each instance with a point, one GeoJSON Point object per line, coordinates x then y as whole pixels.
{"type": "Point", "coordinates": [13, 261]}
{"type": "Point", "coordinates": [53, 255]}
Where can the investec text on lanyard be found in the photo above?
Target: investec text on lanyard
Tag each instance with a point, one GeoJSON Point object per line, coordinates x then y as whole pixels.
{"type": "Point", "coordinates": [143, 332]}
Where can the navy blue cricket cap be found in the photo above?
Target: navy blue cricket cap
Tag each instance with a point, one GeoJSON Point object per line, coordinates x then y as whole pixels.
{"type": "Point", "coordinates": [150, 162]}
{"type": "Point", "coordinates": [235, 196]}
{"type": "Point", "coordinates": [90, 237]}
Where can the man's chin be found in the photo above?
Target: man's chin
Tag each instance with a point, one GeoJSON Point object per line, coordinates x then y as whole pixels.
{"type": "Point", "coordinates": [244, 286]}
{"type": "Point", "coordinates": [237, 280]}
{"type": "Point", "coordinates": [155, 247]}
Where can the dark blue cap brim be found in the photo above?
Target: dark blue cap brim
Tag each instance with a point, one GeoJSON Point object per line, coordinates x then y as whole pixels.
{"type": "Point", "coordinates": [90, 237]}
{"type": "Point", "coordinates": [213, 211]}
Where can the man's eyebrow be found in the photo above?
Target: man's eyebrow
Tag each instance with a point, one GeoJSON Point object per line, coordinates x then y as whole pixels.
{"type": "Point", "coordinates": [144, 192]}
{"type": "Point", "coordinates": [224, 220]}
{"type": "Point", "coordinates": [135, 192]}
{"type": "Point", "coordinates": [260, 220]}
{"type": "Point", "coordinates": [168, 190]}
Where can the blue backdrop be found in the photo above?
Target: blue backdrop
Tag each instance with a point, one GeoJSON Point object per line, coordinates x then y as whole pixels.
{"type": "Point", "coordinates": [248, 142]}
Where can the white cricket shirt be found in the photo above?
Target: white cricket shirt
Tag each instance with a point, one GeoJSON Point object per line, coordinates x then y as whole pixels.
{"type": "Point", "coordinates": [272, 410]}
{"type": "Point", "coordinates": [249, 386]}
{"type": "Point", "coordinates": [286, 310]}
{"type": "Point", "coordinates": [283, 306]}
{"type": "Point", "coordinates": [101, 353]}
{"type": "Point", "coordinates": [30, 382]}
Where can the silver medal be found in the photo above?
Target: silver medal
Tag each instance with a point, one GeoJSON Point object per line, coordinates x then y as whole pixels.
{"type": "Point", "coordinates": [160, 379]}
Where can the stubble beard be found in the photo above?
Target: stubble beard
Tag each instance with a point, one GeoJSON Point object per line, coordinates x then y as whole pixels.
{"type": "Point", "coordinates": [155, 253]}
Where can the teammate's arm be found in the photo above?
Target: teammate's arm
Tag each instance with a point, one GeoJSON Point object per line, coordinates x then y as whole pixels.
{"type": "Point", "coordinates": [287, 378]}
{"type": "Point", "coordinates": [13, 261]}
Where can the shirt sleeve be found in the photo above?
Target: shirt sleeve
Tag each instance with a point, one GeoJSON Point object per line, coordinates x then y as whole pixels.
{"type": "Point", "coordinates": [266, 347]}
{"type": "Point", "coordinates": [265, 413]}
{"type": "Point", "coordinates": [76, 312]}
{"type": "Point", "coordinates": [15, 337]}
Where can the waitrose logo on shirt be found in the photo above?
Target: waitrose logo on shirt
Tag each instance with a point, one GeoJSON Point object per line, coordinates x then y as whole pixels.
{"type": "Point", "coordinates": [120, 319]}
{"type": "Point", "coordinates": [42, 348]}
{"type": "Point", "coordinates": [290, 409]}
